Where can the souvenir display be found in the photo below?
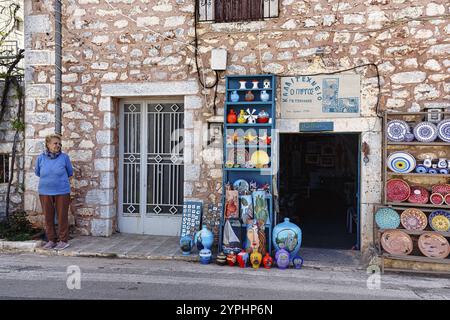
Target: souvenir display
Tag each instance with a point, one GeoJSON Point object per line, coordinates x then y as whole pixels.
{"type": "Point", "coordinates": [282, 257]}
{"type": "Point", "coordinates": [401, 162]}
{"type": "Point", "coordinates": [267, 261]}
{"type": "Point", "coordinates": [396, 130]}
{"type": "Point", "coordinates": [443, 129]}
{"type": "Point", "coordinates": [263, 117]}
{"type": "Point", "coordinates": [434, 245]}
{"type": "Point", "coordinates": [231, 259]}
{"type": "Point", "coordinates": [437, 198]}
{"type": "Point", "coordinates": [439, 220]}
{"type": "Point", "coordinates": [441, 188]}
{"type": "Point", "coordinates": [413, 219]}
{"type": "Point", "coordinates": [425, 131]}
{"type": "Point", "coordinates": [205, 256]}
{"type": "Point", "coordinates": [186, 245]}
{"type": "Point", "coordinates": [421, 169]}
{"type": "Point", "coordinates": [419, 195]}
{"type": "Point", "coordinates": [260, 158]}
{"type": "Point", "coordinates": [266, 84]}
{"type": "Point", "coordinates": [221, 259]}
{"type": "Point", "coordinates": [242, 259]}
{"type": "Point", "coordinates": [387, 218]}
{"type": "Point", "coordinates": [297, 261]}
{"type": "Point", "coordinates": [397, 190]}
{"type": "Point", "coordinates": [252, 242]}
{"type": "Point", "coordinates": [241, 186]}
{"type": "Point", "coordinates": [264, 96]}
{"type": "Point", "coordinates": [246, 209]}
{"type": "Point", "coordinates": [288, 236]}
{"type": "Point", "coordinates": [242, 119]}
{"type": "Point", "coordinates": [204, 239]}
{"type": "Point", "coordinates": [232, 117]}
{"type": "Point", "coordinates": [249, 96]}
{"type": "Point", "coordinates": [255, 259]}
{"type": "Point", "coordinates": [396, 242]}
{"type": "Point", "coordinates": [231, 204]}
{"type": "Point", "coordinates": [260, 208]}
{"type": "Point", "coordinates": [234, 97]}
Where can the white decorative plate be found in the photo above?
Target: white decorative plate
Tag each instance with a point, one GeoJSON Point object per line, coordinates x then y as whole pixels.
{"type": "Point", "coordinates": [444, 130]}
{"type": "Point", "coordinates": [396, 130]}
{"type": "Point", "coordinates": [425, 132]}
{"type": "Point", "coordinates": [401, 162]}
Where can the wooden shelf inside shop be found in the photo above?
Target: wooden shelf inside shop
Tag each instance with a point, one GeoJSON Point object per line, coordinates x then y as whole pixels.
{"type": "Point", "coordinates": [418, 232]}
{"type": "Point", "coordinates": [431, 175]}
{"type": "Point", "coordinates": [418, 205]}
{"type": "Point", "coordinates": [417, 143]}
{"type": "Point", "coordinates": [415, 258]}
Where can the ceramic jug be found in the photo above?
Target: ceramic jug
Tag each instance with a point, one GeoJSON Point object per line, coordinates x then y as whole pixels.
{"type": "Point", "coordinates": [242, 119]}
{"type": "Point", "coordinates": [442, 163]}
{"type": "Point", "coordinates": [267, 261]}
{"type": "Point", "coordinates": [249, 96]}
{"type": "Point", "coordinates": [204, 239]}
{"type": "Point", "coordinates": [255, 259]}
{"type": "Point", "coordinates": [232, 117]}
{"type": "Point", "coordinates": [282, 258]}
{"type": "Point", "coordinates": [288, 236]}
{"type": "Point", "coordinates": [234, 96]}
{"type": "Point", "coordinates": [264, 95]}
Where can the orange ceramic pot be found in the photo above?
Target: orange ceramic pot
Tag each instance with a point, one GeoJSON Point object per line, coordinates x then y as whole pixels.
{"type": "Point", "coordinates": [232, 117]}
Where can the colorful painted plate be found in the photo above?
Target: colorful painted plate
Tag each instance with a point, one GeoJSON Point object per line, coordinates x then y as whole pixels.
{"type": "Point", "coordinates": [425, 131]}
{"type": "Point", "coordinates": [397, 190]}
{"type": "Point", "coordinates": [387, 218]}
{"type": "Point", "coordinates": [401, 162]}
{"type": "Point", "coordinates": [396, 130]}
{"type": "Point", "coordinates": [434, 245]}
{"type": "Point", "coordinates": [396, 242]}
{"type": "Point", "coordinates": [437, 199]}
{"type": "Point", "coordinates": [439, 220]}
{"type": "Point", "coordinates": [444, 130]}
{"type": "Point", "coordinates": [241, 186]}
{"type": "Point", "coordinates": [419, 195]}
{"type": "Point", "coordinates": [413, 219]}
{"type": "Point", "coordinates": [443, 189]}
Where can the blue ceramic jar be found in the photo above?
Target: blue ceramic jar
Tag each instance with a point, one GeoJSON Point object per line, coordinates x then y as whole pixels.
{"type": "Point", "coordinates": [186, 245]}
{"type": "Point", "coordinates": [204, 239]}
{"type": "Point", "coordinates": [288, 236]}
{"type": "Point", "coordinates": [205, 256]}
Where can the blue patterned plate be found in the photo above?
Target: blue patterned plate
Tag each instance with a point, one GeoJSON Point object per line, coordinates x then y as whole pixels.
{"type": "Point", "coordinates": [439, 220]}
{"type": "Point", "coordinates": [444, 130]}
{"type": "Point", "coordinates": [426, 131]}
{"type": "Point", "coordinates": [387, 218]}
{"type": "Point", "coordinates": [401, 162]}
{"type": "Point", "coordinates": [396, 130]}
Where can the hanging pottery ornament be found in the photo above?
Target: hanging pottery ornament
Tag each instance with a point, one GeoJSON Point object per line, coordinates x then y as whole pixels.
{"type": "Point", "coordinates": [251, 116]}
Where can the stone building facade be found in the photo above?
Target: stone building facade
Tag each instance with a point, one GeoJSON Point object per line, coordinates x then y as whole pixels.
{"type": "Point", "coordinates": [139, 49]}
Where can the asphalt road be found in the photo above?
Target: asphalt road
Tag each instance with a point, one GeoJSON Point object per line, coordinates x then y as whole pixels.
{"type": "Point", "coordinates": [31, 276]}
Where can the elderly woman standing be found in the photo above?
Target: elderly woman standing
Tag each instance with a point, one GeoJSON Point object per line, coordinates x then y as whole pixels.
{"type": "Point", "coordinates": [53, 167]}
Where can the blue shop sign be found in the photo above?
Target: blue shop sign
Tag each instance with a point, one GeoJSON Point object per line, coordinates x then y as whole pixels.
{"type": "Point", "coordinates": [316, 126]}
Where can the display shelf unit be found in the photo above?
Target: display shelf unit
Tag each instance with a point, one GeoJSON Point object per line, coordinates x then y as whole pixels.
{"type": "Point", "coordinates": [259, 175]}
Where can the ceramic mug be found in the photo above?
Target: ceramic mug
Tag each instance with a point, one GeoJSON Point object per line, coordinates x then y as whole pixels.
{"type": "Point", "coordinates": [427, 162]}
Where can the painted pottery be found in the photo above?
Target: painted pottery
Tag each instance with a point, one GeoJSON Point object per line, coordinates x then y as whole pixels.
{"type": "Point", "coordinates": [255, 84]}
{"type": "Point", "coordinates": [251, 116]}
{"type": "Point", "coordinates": [444, 130]}
{"type": "Point", "coordinates": [419, 195]}
{"type": "Point", "coordinates": [442, 163]}
{"type": "Point", "coordinates": [428, 162]}
{"type": "Point", "coordinates": [413, 219]}
{"type": "Point", "coordinates": [231, 117]}
{"type": "Point", "coordinates": [264, 95]}
{"type": "Point", "coordinates": [205, 256]}
{"type": "Point", "coordinates": [441, 188]}
{"type": "Point", "coordinates": [433, 171]}
{"type": "Point", "coordinates": [425, 131]}
{"type": "Point", "coordinates": [401, 162]}
{"type": "Point", "coordinates": [288, 236]}
{"type": "Point", "coordinates": [234, 97]}
{"type": "Point", "coordinates": [221, 259]}
{"type": "Point", "coordinates": [421, 169]}
{"type": "Point", "coordinates": [434, 245]}
{"type": "Point", "coordinates": [439, 220]}
{"type": "Point", "coordinates": [396, 242]}
{"type": "Point", "coordinates": [259, 158]}
{"type": "Point", "coordinates": [266, 84]}
{"type": "Point", "coordinates": [186, 244]}
{"type": "Point", "coordinates": [249, 96]}
{"type": "Point", "coordinates": [267, 261]}
{"type": "Point", "coordinates": [387, 218]}
{"type": "Point", "coordinates": [297, 261]}
{"type": "Point", "coordinates": [282, 257]}
{"type": "Point", "coordinates": [242, 84]}
{"type": "Point", "coordinates": [255, 259]}
{"type": "Point", "coordinates": [443, 171]}
{"type": "Point", "coordinates": [204, 239]}
{"type": "Point", "coordinates": [447, 199]}
{"type": "Point", "coordinates": [409, 137]}
{"type": "Point", "coordinates": [263, 117]}
{"type": "Point", "coordinates": [396, 130]}
{"type": "Point", "coordinates": [397, 190]}
{"type": "Point", "coordinates": [242, 258]}
{"type": "Point", "coordinates": [231, 259]}
{"type": "Point", "coordinates": [437, 198]}
{"type": "Point", "coordinates": [242, 119]}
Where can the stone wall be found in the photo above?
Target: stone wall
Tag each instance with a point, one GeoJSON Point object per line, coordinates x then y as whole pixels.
{"type": "Point", "coordinates": [146, 41]}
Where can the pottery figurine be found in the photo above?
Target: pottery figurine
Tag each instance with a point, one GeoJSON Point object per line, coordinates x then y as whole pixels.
{"type": "Point", "coordinates": [267, 261]}
{"type": "Point", "coordinates": [249, 96]}
{"type": "Point", "coordinates": [231, 117]}
{"type": "Point", "coordinates": [263, 117]}
{"type": "Point", "coordinates": [264, 95]}
{"type": "Point", "coordinates": [266, 84]}
{"type": "Point", "coordinates": [255, 259]}
{"type": "Point", "coordinates": [242, 119]}
{"type": "Point", "coordinates": [234, 96]}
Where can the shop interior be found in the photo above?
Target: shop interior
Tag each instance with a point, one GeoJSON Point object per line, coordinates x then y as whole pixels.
{"type": "Point", "coordinates": [318, 187]}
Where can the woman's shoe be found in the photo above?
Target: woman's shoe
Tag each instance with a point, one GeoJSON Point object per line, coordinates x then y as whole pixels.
{"type": "Point", "coordinates": [49, 245]}
{"type": "Point", "coordinates": [62, 245]}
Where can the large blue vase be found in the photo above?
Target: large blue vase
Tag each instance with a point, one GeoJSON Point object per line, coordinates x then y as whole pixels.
{"type": "Point", "coordinates": [186, 245]}
{"type": "Point", "coordinates": [288, 236]}
{"type": "Point", "coordinates": [204, 239]}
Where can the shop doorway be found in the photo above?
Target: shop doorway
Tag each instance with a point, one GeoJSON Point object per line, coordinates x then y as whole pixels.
{"type": "Point", "coordinates": [318, 188]}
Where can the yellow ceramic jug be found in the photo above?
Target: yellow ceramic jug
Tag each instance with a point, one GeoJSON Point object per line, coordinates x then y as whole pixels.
{"type": "Point", "coordinates": [255, 259]}
{"type": "Point", "coordinates": [242, 118]}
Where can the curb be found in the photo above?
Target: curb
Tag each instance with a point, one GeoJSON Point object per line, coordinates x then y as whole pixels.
{"type": "Point", "coordinates": [20, 246]}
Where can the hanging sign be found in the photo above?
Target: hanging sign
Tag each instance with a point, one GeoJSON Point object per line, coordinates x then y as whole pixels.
{"type": "Point", "coordinates": [325, 96]}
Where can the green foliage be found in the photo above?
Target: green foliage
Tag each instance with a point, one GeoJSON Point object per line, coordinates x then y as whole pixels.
{"type": "Point", "coordinates": [18, 125]}
{"type": "Point", "coordinates": [18, 228]}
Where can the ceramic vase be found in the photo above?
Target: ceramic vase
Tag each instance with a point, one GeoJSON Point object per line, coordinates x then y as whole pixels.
{"type": "Point", "coordinates": [255, 84]}
{"type": "Point", "coordinates": [263, 117]}
{"type": "Point", "coordinates": [255, 259]}
{"type": "Point", "coordinates": [297, 261]}
{"type": "Point", "coordinates": [242, 84]}
{"type": "Point", "coordinates": [266, 84]}
{"type": "Point", "coordinates": [442, 163]}
{"type": "Point", "coordinates": [221, 259]}
{"type": "Point", "coordinates": [231, 117]}
{"type": "Point", "coordinates": [267, 261]}
{"type": "Point", "coordinates": [249, 96]}
{"type": "Point", "coordinates": [427, 162]}
{"type": "Point", "coordinates": [186, 245]}
{"type": "Point", "coordinates": [242, 119]}
{"type": "Point", "coordinates": [264, 96]}
{"type": "Point", "coordinates": [288, 236]}
{"type": "Point", "coordinates": [282, 258]}
{"type": "Point", "coordinates": [242, 258]}
{"type": "Point", "coordinates": [205, 256]}
{"type": "Point", "coordinates": [204, 239]}
{"type": "Point", "coordinates": [234, 97]}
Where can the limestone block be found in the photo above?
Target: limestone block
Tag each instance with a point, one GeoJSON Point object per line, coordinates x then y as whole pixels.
{"type": "Point", "coordinates": [107, 180]}
{"type": "Point", "coordinates": [105, 136]}
{"type": "Point", "coordinates": [433, 65]}
{"type": "Point", "coordinates": [80, 155]}
{"type": "Point", "coordinates": [104, 164]}
{"type": "Point", "coordinates": [37, 24]}
{"type": "Point", "coordinates": [108, 212]}
{"type": "Point", "coordinates": [434, 9]}
{"type": "Point", "coordinates": [108, 151]}
{"type": "Point", "coordinates": [100, 196]}
{"type": "Point", "coordinates": [147, 21]}
{"type": "Point", "coordinates": [192, 172]}
{"type": "Point", "coordinates": [100, 66]}
{"type": "Point", "coordinates": [38, 118]}
{"type": "Point", "coordinates": [98, 40]}
{"type": "Point", "coordinates": [101, 227]}
{"type": "Point", "coordinates": [425, 91]}
{"type": "Point", "coordinates": [409, 77]}
{"type": "Point", "coordinates": [440, 49]}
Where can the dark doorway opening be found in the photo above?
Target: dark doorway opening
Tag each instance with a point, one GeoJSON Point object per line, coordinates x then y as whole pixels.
{"type": "Point", "coordinates": [318, 185]}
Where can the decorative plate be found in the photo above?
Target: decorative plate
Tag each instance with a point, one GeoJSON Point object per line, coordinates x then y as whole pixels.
{"type": "Point", "coordinates": [447, 199]}
{"type": "Point", "coordinates": [397, 190]}
{"type": "Point", "coordinates": [401, 162]}
{"type": "Point", "coordinates": [439, 220]}
{"type": "Point", "coordinates": [396, 130]}
{"type": "Point", "coordinates": [241, 186]}
{"type": "Point", "coordinates": [396, 242]}
{"type": "Point", "coordinates": [413, 219]}
{"type": "Point", "coordinates": [425, 131]}
{"type": "Point", "coordinates": [444, 130]}
{"type": "Point", "coordinates": [387, 218]}
{"type": "Point", "coordinates": [437, 198]}
{"type": "Point", "coordinates": [441, 188]}
{"type": "Point", "coordinates": [419, 195]}
{"type": "Point", "coordinates": [434, 245]}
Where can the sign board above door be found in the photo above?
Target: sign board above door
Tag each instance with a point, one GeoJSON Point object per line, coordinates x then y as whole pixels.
{"type": "Point", "coordinates": [325, 96]}
{"type": "Point", "coordinates": [316, 126]}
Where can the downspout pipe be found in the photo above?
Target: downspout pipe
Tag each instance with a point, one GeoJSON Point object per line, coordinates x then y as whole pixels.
{"type": "Point", "coordinates": [58, 63]}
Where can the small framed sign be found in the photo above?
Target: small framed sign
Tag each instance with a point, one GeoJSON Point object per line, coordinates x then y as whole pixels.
{"type": "Point", "coordinates": [316, 126]}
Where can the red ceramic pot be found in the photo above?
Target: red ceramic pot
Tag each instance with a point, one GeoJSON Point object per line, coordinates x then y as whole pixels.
{"type": "Point", "coordinates": [262, 120]}
{"type": "Point", "coordinates": [242, 258]}
{"type": "Point", "coordinates": [231, 259]}
{"type": "Point", "coordinates": [232, 117]}
{"type": "Point", "coordinates": [267, 261]}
